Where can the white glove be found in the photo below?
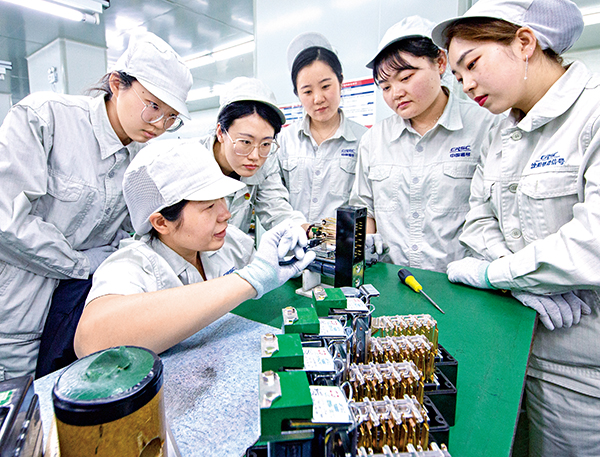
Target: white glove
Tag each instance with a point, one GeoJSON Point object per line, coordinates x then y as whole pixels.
{"type": "Point", "coordinates": [264, 272]}
{"type": "Point", "coordinates": [373, 247]}
{"type": "Point", "coordinates": [555, 311]}
{"type": "Point", "coordinates": [469, 271]}
{"type": "Point", "coordinates": [295, 232]}
{"type": "Point", "coordinates": [97, 255]}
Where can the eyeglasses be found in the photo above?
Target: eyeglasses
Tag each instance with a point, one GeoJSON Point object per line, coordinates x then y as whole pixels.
{"type": "Point", "coordinates": [244, 147]}
{"type": "Point", "coordinates": [152, 113]}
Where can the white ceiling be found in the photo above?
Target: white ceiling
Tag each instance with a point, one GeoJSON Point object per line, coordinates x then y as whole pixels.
{"type": "Point", "coordinates": [190, 26]}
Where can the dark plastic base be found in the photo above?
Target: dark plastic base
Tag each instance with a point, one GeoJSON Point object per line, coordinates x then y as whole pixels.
{"type": "Point", "coordinates": [439, 430]}
{"type": "Point", "coordinates": [447, 364]}
{"type": "Point", "coordinates": [443, 395]}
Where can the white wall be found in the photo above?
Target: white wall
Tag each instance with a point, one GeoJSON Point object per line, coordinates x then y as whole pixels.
{"type": "Point", "coordinates": [590, 57]}
{"type": "Point", "coordinates": [354, 28]}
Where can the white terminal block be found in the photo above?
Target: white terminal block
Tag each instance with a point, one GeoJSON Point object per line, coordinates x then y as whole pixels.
{"type": "Point", "coordinates": [356, 304]}
{"type": "Point", "coordinates": [330, 405]}
{"type": "Point", "coordinates": [331, 328]}
{"type": "Point", "coordinates": [317, 359]}
{"type": "Point", "coordinates": [310, 280]}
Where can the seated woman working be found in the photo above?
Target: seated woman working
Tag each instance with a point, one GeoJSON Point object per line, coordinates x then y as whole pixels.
{"type": "Point", "coordinates": [162, 288]}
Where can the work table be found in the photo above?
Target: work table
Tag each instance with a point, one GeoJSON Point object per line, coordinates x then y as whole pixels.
{"type": "Point", "coordinates": [211, 379]}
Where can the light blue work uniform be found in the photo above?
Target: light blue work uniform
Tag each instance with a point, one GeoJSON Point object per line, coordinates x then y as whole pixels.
{"type": "Point", "coordinates": [417, 187]}
{"type": "Point", "coordinates": [535, 207]}
{"type": "Point", "coordinates": [265, 197]}
{"type": "Point", "coordinates": [319, 177]}
{"type": "Point", "coordinates": [61, 169]}
{"type": "Point", "coordinates": [148, 265]}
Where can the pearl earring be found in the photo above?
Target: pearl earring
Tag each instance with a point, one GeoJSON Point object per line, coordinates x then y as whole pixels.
{"type": "Point", "coordinates": [526, 66]}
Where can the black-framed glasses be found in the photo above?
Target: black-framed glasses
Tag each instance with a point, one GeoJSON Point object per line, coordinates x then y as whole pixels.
{"type": "Point", "coordinates": [152, 113]}
{"type": "Point", "coordinates": [244, 147]}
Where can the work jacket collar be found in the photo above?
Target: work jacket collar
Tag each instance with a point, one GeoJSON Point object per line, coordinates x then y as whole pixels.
{"type": "Point", "coordinates": [450, 119]}
{"type": "Point", "coordinates": [108, 141]}
{"type": "Point", "coordinates": [184, 270]}
{"type": "Point", "coordinates": [559, 98]}
{"type": "Point", "coordinates": [343, 131]}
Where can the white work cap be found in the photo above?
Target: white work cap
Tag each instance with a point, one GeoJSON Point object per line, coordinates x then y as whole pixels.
{"type": "Point", "coordinates": [304, 41]}
{"type": "Point", "coordinates": [249, 89]}
{"type": "Point", "coordinates": [557, 24]}
{"type": "Point", "coordinates": [158, 68]}
{"type": "Point", "coordinates": [168, 171]}
{"type": "Point", "coordinates": [410, 27]}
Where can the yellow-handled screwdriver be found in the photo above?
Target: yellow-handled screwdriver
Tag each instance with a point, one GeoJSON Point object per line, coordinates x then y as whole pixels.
{"type": "Point", "coordinates": [407, 278]}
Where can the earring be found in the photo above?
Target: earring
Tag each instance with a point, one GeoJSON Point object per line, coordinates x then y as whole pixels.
{"type": "Point", "coordinates": [526, 66]}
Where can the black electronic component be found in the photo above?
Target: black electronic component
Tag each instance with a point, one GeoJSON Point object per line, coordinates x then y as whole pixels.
{"type": "Point", "coordinates": [351, 232]}
{"type": "Point", "coordinates": [312, 243]}
{"type": "Point", "coordinates": [20, 420]}
{"type": "Point", "coordinates": [323, 266]}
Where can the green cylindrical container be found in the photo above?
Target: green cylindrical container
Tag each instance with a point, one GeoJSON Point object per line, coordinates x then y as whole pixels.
{"type": "Point", "coordinates": [111, 403]}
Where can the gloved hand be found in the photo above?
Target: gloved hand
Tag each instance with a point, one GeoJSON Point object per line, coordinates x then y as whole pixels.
{"type": "Point", "coordinates": [555, 311]}
{"type": "Point", "coordinates": [97, 255]}
{"type": "Point", "coordinates": [469, 271]}
{"type": "Point", "coordinates": [264, 272]}
{"type": "Point", "coordinates": [373, 247]}
{"type": "Point", "coordinates": [121, 235]}
{"type": "Point", "coordinates": [295, 232]}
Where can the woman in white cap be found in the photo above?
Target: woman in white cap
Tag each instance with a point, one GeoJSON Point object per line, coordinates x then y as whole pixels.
{"type": "Point", "coordinates": [158, 290]}
{"type": "Point", "coordinates": [244, 145]}
{"type": "Point", "coordinates": [62, 160]}
{"type": "Point", "coordinates": [535, 206]}
{"type": "Point", "coordinates": [415, 167]}
{"type": "Point", "coordinates": [318, 152]}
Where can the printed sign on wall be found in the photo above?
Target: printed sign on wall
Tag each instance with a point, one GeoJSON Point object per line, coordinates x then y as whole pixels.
{"type": "Point", "coordinates": [358, 102]}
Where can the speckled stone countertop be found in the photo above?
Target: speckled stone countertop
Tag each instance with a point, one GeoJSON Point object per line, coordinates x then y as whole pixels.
{"type": "Point", "coordinates": [211, 388]}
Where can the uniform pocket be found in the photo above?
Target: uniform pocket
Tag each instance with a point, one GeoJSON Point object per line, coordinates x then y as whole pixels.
{"type": "Point", "coordinates": [63, 188]}
{"type": "Point", "coordinates": [380, 172]}
{"type": "Point", "coordinates": [452, 187]}
{"type": "Point", "coordinates": [546, 202]}
{"type": "Point", "coordinates": [293, 178]}
{"type": "Point", "coordinates": [345, 177]}
{"type": "Point", "coordinates": [385, 188]}
{"type": "Point", "coordinates": [7, 275]}
{"type": "Point", "coordinates": [66, 203]}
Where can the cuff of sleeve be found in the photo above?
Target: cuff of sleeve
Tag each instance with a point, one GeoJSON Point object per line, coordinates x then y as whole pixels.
{"type": "Point", "coordinates": [81, 270]}
{"type": "Point", "coordinates": [498, 250]}
{"type": "Point", "coordinates": [498, 274]}
{"type": "Point", "coordinates": [487, 279]}
{"type": "Point", "coordinates": [298, 218]}
{"type": "Point", "coordinates": [243, 273]}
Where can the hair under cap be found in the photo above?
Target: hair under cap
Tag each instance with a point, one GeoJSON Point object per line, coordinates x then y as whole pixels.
{"type": "Point", "coordinates": [168, 171]}
{"type": "Point", "coordinates": [557, 24]}
{"type": "Point", "coordinates": [304, 41]}
{"type": "Point", "coordinates": [410, 27]}
{"type": "Point", "coordinates": [249, 89]}
{"type": "Point", "coordinates": [158, 68]}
